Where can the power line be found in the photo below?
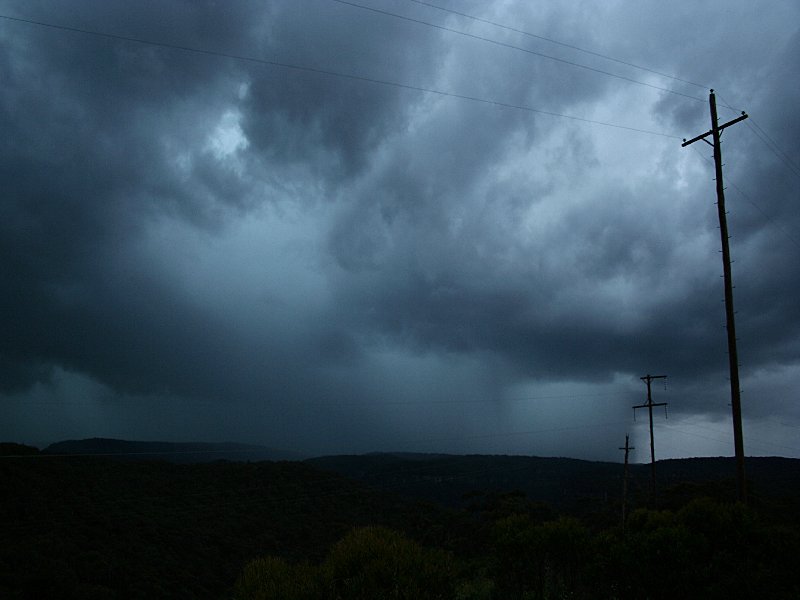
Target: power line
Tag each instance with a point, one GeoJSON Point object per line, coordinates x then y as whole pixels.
{"type": "Point", "coordinates": [777, 224]}
{"type": "Point", "coordinates": [772, 145]}
{"type": "Point", "coordinates": [513, 47]}
{"type": "Point", "coordinates": [558, 43]}
{"type": "Point", "coordinates": [766, 215]}
{"type": "Point", "coordinates": [320, 71]}
{"type": "Point", "coordinates": [761, 444]}
{"type": "Point", "coordinates": [774, 148]}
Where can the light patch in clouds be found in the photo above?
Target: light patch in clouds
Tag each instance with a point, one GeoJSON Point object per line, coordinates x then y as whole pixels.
{"type": "Point", "coordinates": [260, 265]}
{"type": "Point", "coordinates": [227, 137]}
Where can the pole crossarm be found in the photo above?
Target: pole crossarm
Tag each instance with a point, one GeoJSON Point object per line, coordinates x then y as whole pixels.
{"type": "Point", "coordinates": [711, 131]}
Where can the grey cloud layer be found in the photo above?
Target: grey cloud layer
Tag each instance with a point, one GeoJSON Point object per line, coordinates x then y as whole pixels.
{"type": "Point", "coordinates": [397, 225]}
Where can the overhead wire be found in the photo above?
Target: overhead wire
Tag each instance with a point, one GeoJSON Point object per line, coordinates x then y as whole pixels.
{"type": "Point", "coordinates": [762, 135]}
{"type": "Point", "coordinates": [757, 129]}
{"type": "Point", "coordinates": [768, 141]}
{"type": "Point", "coordinates": [556, 42]}
{"type": "Point", "coordinates": [744, 195]}
{"type": "Point", "coordinates": [771, 144]}
{"type": "Point", "coordinates": [758, 445]}
{"type": "Point", "coordinates": [320, 71]}
{"type": "Point", "coordinates": [761, 443]}
{"type": "Point", "coordinates": [767, 216]}
{"type": "Point", "coordinates": [513, 47]}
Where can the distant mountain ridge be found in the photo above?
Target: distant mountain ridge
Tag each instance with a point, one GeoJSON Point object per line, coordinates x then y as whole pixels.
{"type": "Point", "coordinates": [175, 452]}
{"type": "Point", "coordinates": [454, 480]}
{"type": "Point", "coordinates": [566, 483]}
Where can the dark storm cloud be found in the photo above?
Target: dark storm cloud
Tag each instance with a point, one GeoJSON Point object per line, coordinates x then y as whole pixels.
{"type": "Point", "coordinates": [330, 122]}
{"type": "Point", "coordinates": [484, 289]}
{"type": "Point", "coordinates": [187, 226]}
{"type": "Point", "coordinates": [96, 130]}
{"type": "Point", "coordinates": [82, 168]}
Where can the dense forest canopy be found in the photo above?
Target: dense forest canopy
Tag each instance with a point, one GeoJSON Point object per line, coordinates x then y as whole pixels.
{"type": "Point", "coordinates": [94, 527]}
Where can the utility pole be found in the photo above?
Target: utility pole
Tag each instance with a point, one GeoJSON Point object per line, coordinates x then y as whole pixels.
{"type": "Point", "coordinates": [648, 379]}
{"type": "Point", "coordinates": [733, 359]}
{"type": "Point", "coordinates": [627, 448]}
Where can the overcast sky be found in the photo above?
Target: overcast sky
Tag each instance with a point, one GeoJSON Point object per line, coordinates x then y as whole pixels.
{"type": "Point", "coordinates": [319, 227]}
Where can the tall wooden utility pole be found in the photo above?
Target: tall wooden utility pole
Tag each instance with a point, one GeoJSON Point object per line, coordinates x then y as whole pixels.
{"type": "Point", "coordinates": [648, 379]}
{"type": "Point", "coordinates": [733, 358]}
{"type": "Point", "coordinates": [627, 449]}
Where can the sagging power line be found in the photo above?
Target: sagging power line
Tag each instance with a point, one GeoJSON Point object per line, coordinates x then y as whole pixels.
{"type": "Point", "coordinates": [556, 42]}
{"type": "Point", "coordinates": [320, 71]}
{"type": "Point", "coordinates": [513, 47]}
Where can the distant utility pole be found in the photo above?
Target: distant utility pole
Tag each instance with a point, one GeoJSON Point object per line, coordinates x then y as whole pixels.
{"type": "Point", "coordinates": [648, 379]}
{"type": "Point", "coordinates": [733, 359]}
{"type": "Point", "coordinates": [627, 448]}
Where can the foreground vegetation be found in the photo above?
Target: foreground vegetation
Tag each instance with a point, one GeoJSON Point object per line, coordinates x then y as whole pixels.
{"type": "Point", "coordinates": [704, 550]}
{"type": "Point", "coordinates": [92, 528]}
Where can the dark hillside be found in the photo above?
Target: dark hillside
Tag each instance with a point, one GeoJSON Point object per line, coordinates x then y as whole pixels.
{"type": "Point", "coordinates": [93, 527]}
{"type": "Point", "coordinates": [78, 527]}
{"type": "Point", "coordinates": [176, 452]}
{"type": "Point", "coordinates": [451, 479]}
{"type": "Point", "coordinates": [11, 449]}
{"type": "Point", "coordinates": [566, 484]}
